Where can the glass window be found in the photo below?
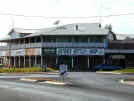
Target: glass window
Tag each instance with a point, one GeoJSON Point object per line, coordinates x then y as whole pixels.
{"type": "Point", "coordinates": [96, 38]}
{"type": "Point", "coordinates": [50, 39]}
{"type": "Point", "coordinates": [80, 39]}
{"type": "Point", "coordinates": [63, 39]}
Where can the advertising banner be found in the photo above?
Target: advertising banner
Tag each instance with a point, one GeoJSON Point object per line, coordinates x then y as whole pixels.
{"type": "Point", "coordinates": [33, 51]}
{"type": "Point", "coordinates": [17, 52]}
{"type": "Point", "coordinates": [79, 51]}
{"type": "Point", "coordinates": [2, 53]}
{"type": "Point", "coordinates": [22, 52]}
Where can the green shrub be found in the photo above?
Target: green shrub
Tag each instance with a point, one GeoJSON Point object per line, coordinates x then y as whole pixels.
{"type": "Point", "coordinates": [27, 69]}
{"type": "Point", "coordinates": [14, 69]}
{"type": "Point", "coordinates": [127, 70]}
{"type": "Point", "coordinates": [49, 69]}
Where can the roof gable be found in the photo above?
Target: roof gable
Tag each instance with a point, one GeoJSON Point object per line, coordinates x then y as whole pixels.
{"type": "Point", "coordinates": [20, 31]}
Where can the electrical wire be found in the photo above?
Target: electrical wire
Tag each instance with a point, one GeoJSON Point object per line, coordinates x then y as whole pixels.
{"type": "Point", "coordinates": [62, 17]}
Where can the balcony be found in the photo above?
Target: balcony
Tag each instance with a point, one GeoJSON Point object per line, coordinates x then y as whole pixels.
{"type": "Point", "coordinates": [55, 45]}
{"type": "Point", "coordinates": [72, 45]}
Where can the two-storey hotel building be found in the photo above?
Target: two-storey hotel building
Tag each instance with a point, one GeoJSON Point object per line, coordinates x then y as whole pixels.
{"type": "Point", "coordinates": [79, 45]}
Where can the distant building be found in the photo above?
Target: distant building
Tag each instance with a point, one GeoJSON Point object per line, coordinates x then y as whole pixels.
{"type": "Point", "coordinates": [80, 45]}
{"type": "Point", "coordinates": [121, 51]}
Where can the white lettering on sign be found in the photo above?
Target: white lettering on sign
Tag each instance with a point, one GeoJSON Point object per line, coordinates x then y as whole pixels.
{"type": "Point", "coordinates": [79, 51]}
{"type": "Point", "coordinates": [64, 51]}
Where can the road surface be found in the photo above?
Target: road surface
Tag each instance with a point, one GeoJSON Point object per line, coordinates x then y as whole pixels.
{"type": "Point", "coordinates": [84, 86]}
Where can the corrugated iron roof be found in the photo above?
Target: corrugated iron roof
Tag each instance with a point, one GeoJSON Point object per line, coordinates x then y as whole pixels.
{"type": "Point", "coordinates": [18, 31]}
{"type": "Point", "coordinates": [70, 29]}
{"type": "Point", "coordinates": [124, 36]}
{"type": "Point", "coordinates": [22, 30]}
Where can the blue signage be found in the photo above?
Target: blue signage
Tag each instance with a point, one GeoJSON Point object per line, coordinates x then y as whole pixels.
{"type": "Point", "coordinates": [79, 51]}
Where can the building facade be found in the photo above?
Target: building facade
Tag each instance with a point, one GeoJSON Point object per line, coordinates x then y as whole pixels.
{"type": "Point", "coordinates": [120, 52]}
{"type": "Point", "coordinates": [80, 45]}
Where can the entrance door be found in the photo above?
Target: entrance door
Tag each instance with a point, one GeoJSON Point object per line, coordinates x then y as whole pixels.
{"type": "Point", "coordinates": [81, 63]}
{"type": "Point", "coordinates": [66, 60]}
{"type": "Point", "coordinates": [122, 63]}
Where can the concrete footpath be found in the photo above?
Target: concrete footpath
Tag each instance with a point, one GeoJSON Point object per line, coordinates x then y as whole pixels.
{"type": "Point", "coordinates": [44, 80]}
{"type": "Point", "coordinates": [49, 73]}
{"type": "Point", "coordinates": [129, 81]}
{"type": "Point", "coordinates": [107, 72]}
{"type": "Point", "coordinates": [48, 80]}
{"type": "Point", "coordinates": [57, 80]}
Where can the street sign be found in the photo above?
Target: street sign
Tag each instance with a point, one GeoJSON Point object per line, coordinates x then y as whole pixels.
{"type": "Point", "coordinates": [63, 71]}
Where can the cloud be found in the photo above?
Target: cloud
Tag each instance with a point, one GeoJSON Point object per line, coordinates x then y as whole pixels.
{"type": "Point", "coordinates": [121, 24]}
{"type": "Point", "coordinates": [67, 8]}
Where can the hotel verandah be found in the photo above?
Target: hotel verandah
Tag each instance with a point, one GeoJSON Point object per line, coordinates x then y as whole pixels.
{"type": "Point", "coordinates": [80, 45]}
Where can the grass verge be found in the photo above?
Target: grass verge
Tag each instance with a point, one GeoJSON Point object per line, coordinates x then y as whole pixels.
{"type": "Point", "coordinates": [125, 71]}
{"type": "Point", "coordinates": [23, 70]}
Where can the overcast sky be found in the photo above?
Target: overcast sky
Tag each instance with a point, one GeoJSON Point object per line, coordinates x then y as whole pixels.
{"type": "Point", "coordinates": [66, 8]}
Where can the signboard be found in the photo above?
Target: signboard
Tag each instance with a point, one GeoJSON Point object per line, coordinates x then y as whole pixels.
{"type": "Point", "coordinates": [118, 57]}
{"type": "Point", "coordinates": [33, 51]}
{"type": "Point", "coordinates": [7, 53]}
{"type": "Point", "coordinates": [63, 71]}
{"type": "Point", "coordinates": [64, 51]}
{"type": "Point", "coordinates": [79, 51]}
{"type": "Point", "coordinates": [21, 52]}
{"type": "Point", "coordinates": [17, 52]}
{"type": "Point", "coordinates": [48, 51]}
{"type": "Point", "coordinates": [2, 53]}
{"type": "Point", "coordinates": [38, 51]}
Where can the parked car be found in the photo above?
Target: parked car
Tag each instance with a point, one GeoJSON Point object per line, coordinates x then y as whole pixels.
{"type": "Point", "coordinates": [107, 67]}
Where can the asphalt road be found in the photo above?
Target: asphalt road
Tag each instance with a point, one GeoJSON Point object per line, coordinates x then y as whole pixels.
{"type": "Point", "coordinates": [84, 86]}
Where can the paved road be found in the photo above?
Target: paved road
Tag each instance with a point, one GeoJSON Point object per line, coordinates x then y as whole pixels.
{"type": "Point", "coordinates": [85, 87]}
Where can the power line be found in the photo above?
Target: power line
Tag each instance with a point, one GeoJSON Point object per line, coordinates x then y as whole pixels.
{"type": "Point", "coordinates": [62, 17]}
{"type": "Point", "coordinates": [11, 14]}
